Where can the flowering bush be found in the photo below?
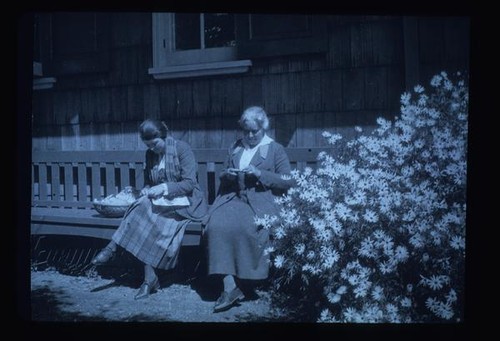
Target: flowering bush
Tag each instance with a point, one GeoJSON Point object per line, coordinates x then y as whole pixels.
{"type": "Point", "coordinates": [377, 232]}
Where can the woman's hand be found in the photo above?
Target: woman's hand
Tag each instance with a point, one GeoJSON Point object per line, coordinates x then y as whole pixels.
{"type": "Point", "coordinates": [230, 173]}
{"type": "Point", "coordinates": [157, 191]}
{"type": "Point", "coordinates": [251, 169]}
{"type": "Point", "coordinates": [144, 191]}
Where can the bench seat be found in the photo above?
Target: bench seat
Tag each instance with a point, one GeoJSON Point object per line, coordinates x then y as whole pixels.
{"type": "Point", "coordinates": [89, 223]}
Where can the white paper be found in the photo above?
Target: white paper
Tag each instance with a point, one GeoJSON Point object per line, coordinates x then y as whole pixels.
{"type": "Point", "coordinates": [178, 201]}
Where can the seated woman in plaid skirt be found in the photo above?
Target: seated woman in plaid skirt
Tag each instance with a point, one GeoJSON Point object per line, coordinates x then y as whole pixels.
{"type": "Point", "coordinates": [152, 233]}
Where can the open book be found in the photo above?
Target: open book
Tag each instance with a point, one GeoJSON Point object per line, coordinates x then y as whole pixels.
{"type": "Point", "coordinates": [178, 201]}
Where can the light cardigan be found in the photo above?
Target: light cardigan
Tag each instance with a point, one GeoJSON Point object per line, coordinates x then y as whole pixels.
{"type": "Point", "coordinates": [248, 152]}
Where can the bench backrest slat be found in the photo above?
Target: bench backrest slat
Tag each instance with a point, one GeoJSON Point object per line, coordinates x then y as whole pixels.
{"type": "Point", "coordinates": [96, 180]}
{"type": "Point", "coordinates": [89, 175]}
{"type": "Point", "coordinates": [68, 181]}
{"type": "Point", "coordinates": [55, 177]}
{"type": "Point", "coordinates": [82, 182]}
{"type": "Point", "coordinates": [124, 174]}
{"type": "Point", "coordinates": [139, 175]}
{"type": "Point", "coordinates": [110, 179]}
{"type": "Point", "coordinates": [42, 178]}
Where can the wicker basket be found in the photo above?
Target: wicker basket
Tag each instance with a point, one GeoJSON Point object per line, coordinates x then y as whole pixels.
{"type": "Point", "coordinates": [111, 211]}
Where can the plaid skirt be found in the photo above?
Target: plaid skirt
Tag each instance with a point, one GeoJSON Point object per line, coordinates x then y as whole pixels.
{"type": "Point", "coordinates": [153, 235]}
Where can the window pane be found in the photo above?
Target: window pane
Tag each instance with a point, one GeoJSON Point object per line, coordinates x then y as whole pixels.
{"type": "Point", "coordinates": [187, 31]}
{"type": "Point", "coordinates": [219, 30]}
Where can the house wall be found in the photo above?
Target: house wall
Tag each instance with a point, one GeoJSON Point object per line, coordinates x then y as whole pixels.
{"type": "Point", "coordinates": [361, 77]}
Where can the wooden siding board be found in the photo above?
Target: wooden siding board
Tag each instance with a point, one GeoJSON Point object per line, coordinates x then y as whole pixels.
{"type": "Point", "coordinates": [54, 141]}
{"type": "Point", "coordinates": [356, 45]}
{"type": "Point", "coordinates": [395, 87]}
{"type": "Point", "coordinates": [88, 104]}
{"type": "Point", "coordinates": [103, 105]}
{"type": "Point", "coordinates": [376, 88]}
{"type": "Point", "coordinates": [289, 87]}
{"type": "Point", "coordinates": [331, 90]}
{"type": "Point", "coordinates": [69, 137]}
{"type": "Point", "coordinates": [184, 99]}
{"type": "Point", "coordinates": [285, 126]}
{"type": "Point", "coordinates": [151, 103]}
{"type": "Point", "coordinates": [309, 131]}
{"type": "Point", "coordinates": [213, 137]}
{"type": "Point", "coordinates": [144, 62]}
{"type": "Point", "coordinates": [329, 125]}
{"type": "Point", "coordinates": [98, 137]}
{"type": "Point", "coordinates": [135, 103]}
{"type": "Point", "coordinates": [61, 99]}
{"type": "Point", "coordinates": [201, 97]}
{"type": "Point", "coordinates": [387, 38]}
{"type": "Point", "coordinates": [119, 101]}
{"type": "Point", "coordinates": [43, 108]}
{"type": "Point", "coordinates": [113, 137]}
{"type": "Point", "coordinates": [85, 137]}
{"type": "Point", "coordinates": [130, 135]}
{"type": "Point", "coordinates": [310, 93]}
{"type": "Point", "coordinates": [456, 39]}
{"type": "Point", "coordinates": [346, 121]}
{"type": "Point", "coordinates": [168, 100]}
{"type": "Point", "coordinates": [124, 69]}
{"type": "Point", "coordinates": [271, 88]}
{"type": "Point", "coordinates": [340, 43]}
{"type": "Point", "coordinates": [180, 130]}
{"type": "Point", "coordinates": [130, 29]}
{"type": "Point", "coordinates": [230, 131]}
{"type": "Point", "coordinates": [217, 105]}
{"type": "Point", "coordinates": [252, 91]}
{"type": "Point", "coordinates": [431, 44]}
{"type": "Point", "coordinates": [233, 90]}
{"type": "Point", "coordinates": [352, 89]}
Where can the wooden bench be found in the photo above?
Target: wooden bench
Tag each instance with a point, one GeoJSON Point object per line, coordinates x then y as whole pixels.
{"type": "Point", "coordinates": [64, 184]}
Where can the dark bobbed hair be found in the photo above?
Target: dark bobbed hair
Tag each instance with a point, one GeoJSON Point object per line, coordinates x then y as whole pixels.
{"type": "Point", "coordinates": [255, 114]}
{"type": "Point", "coordinates": [151, 129]}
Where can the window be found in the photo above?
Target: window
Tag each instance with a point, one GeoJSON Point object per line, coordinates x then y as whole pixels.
{"type": "Point", "coordinates": [195, 44]}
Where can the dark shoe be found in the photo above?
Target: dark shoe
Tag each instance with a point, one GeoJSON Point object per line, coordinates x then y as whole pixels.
{"type": "Point", "coordinates": [228, 299]}
{"type": "Point", "coordinates": [147, 288]}
{"type": "Point", "coordinates": [103, 256]}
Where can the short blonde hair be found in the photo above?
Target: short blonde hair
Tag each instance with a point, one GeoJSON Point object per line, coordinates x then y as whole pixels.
{"type": "Point", "coordinates": [255, 114]}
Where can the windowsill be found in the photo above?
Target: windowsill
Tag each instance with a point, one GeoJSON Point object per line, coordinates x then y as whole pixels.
{"type": "Point", "coordinates": [43, 83]}
{"type": "Point", "coordinates": [197, 70]}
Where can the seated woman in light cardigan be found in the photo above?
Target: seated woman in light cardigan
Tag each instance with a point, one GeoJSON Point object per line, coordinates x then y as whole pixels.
{"type": "Point", "coordinates": [253, 177]}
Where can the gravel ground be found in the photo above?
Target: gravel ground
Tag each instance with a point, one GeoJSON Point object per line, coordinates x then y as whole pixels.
{"type": "Point", "coordinates": [60, 297]}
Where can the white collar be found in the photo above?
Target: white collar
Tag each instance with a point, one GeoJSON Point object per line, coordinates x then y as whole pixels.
{"type": "Point", "coordinates": [265, 140]}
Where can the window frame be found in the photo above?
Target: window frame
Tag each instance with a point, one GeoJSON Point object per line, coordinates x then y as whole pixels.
{"type": "Point", "coordinates": [169, 63]}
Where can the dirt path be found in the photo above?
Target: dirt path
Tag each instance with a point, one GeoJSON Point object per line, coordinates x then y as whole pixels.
{"type": "Point", "coordinates": [59, 297]}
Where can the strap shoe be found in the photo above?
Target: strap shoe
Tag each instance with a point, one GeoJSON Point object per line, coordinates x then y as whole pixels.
{"type": "Point", "coordinates": [147, 289]}
{"type": "Point", "coordinates": [228, 299]}
{"type": "Point", "coordinates": [103, 256]}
